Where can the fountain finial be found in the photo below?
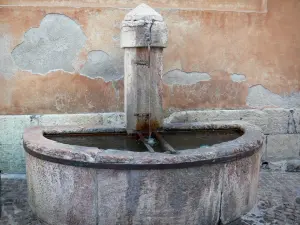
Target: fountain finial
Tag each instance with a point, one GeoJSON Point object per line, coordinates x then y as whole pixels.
{"type": "Point", "coordinates": [143, 12]}
{"type": "Point", "coordinates": [143, 26]}
{"type": "Point", "coordinates": [143, 36]}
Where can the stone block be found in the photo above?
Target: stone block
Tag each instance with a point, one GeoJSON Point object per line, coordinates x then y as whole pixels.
{"type": "Point", "coordinates": [12, 158]}
{"type": "Point", "coordinates": [239, 187]}
{"type": "Point", "coordinates": [89, 119]}
{"type": "Point", "coordinates": [264, 149]}
{"type": "Point", "coordinates": [143, 26]}
{"type": "Point", "coordinates": [181, 196]}
{"type": "Point", "coordinates": [293, 165]}
{"type": "Point", "coordinates": [296, 119]}
{"type": "Point", "coordinates": [271, 121]}
{"type": "Point", "coordinates": [113, 119]}
{"type": "Point", "coordinates": [66, 195]}
{"type": "Point", "coordinates": [283, 146]}
{"type": "Point", "coordinates": [69, 119]}
{"type": "Point", "coordinates": [12, 128]}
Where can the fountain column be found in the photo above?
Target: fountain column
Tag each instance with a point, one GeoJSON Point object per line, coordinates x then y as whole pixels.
{"type": "Point", "coordinates": [143, 36]}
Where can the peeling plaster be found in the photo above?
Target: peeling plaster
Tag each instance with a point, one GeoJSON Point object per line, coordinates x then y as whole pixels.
{"type": "Point", "coordinates": [259, 96]}
{"type": "Point", "coordinates": [184, 78]}
{"type": "Point", "coordinates": [238, 78]}
{"type": "Point", "coordinates": [7, 65]}
{"type": "Point", "coordinates": [52, 46]}
{"type": "Point", "coordinates": [100, 65]}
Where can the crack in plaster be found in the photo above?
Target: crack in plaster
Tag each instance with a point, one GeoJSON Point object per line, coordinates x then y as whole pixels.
{"type": "Point", "coordinates": [52, 46]}
{"type": "Point", "coordinates": [100, 65]}
{"type": "Point", "coordinates": [179, 77]}
{"type": "Point", "coordinates": [259, 96]}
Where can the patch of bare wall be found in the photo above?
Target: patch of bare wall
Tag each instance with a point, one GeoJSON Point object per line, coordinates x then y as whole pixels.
{"type": "Point", "coordinates": [259, 97]}
{"type": "Point", "coordinates": [238, 78]}
{"type": "Point", "coordinates": [52, 46]}
{"type": "Point", "coordinates": [178, 77]}
{"type": "Point", "coordinates": [100, 65]}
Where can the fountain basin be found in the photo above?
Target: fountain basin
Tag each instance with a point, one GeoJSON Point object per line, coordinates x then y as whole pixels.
{"type": "Point", "coordinates": [72, 184]}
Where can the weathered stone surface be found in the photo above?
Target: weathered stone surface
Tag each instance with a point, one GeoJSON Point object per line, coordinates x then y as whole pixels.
{"type": "Point", "coordinates": [283, 146]}
{"type": "Point", "coordinates": [264, 149]}
{"type": "Point", "coordinates": [143, 196]}
{"type": "Point", "coordinates": [193, 186]}
{"type": "Point", "coordinates": [12, 128]}
{"type": "Point", "coordinates": [295, 119]}
{"type": "Point", "coordinates": [113, 119]}
{"type": "Point", "coordinates": [239, 187]}
{"type": "Point", "coordinates": [278, 196]}
{"type": "Point", "coordinates": [37, 144]}
{"type": "Point", "coordinates": [293, 165]}
{"type": "Point", "coordinates": [12, 158]}
{"type": "Point", "coordinates": [143, 12]}
{"type": "Point", "coordinates": [52, 46]}
{"type": "Point", "coordinates": [11, 147]}
{"type": "Point", "coordinates": [277, 165]}
{"type": "Point", "coordinates": [143, 89]}
{"type": "Point", "coordinates": [143, 26]}
{"type": "Point", "coordinates": [289, 165]}
{"type": "Point", "coordinates": [182, 196]}
{"type": "Point", "coordinates": [271, 121]}
{"type": "Point", "coordinates": [106, 119]}
{"type": "Point", "coordinates": [65, 195]}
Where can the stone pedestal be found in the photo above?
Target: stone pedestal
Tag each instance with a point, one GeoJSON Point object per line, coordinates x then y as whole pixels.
{"type": "Point", "coordinates": [143, 37]}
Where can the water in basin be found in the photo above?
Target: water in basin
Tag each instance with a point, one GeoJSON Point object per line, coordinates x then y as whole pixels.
{"type": "Point", "coordinates": [179, 140]}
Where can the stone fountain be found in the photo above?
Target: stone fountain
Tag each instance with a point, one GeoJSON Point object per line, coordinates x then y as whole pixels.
{"type": "Point", "coordinates": [147, 172]}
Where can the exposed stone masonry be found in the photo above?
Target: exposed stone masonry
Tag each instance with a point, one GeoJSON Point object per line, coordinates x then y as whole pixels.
{"type": "Point", "coordinates": [281, 127]}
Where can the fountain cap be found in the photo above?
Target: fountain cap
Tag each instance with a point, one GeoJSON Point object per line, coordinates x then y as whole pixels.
{"type": "Point", "coordinates": [143, 27]}
{"type": "Point", "coordinates": [143, 12]}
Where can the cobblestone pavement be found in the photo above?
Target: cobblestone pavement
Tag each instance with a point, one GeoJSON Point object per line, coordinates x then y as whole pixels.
{"type": "Point", "coordinates": [276, 205]}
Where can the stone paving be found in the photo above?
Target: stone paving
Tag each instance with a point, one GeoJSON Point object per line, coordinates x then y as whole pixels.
{"type": "Point", "coordinates": [278, 201]}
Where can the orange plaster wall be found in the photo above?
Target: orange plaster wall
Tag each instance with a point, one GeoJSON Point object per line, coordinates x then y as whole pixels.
{"type": "Point", "coordinates": [264, 47]}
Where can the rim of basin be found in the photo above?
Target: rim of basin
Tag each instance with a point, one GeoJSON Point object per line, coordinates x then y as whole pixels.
{"type": "Point", "coordinates": [45, 149]}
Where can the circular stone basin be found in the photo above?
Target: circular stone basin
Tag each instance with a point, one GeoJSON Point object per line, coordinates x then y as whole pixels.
{"type": "Point", "coordinates": [93, 185]}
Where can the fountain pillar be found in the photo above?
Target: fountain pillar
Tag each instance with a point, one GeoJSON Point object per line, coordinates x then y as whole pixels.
{"type": "Point", "coordinates": [143, 37]}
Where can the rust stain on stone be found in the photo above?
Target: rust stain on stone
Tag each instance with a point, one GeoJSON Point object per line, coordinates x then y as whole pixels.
{"type": "Point", "coordinates": [144, 125]}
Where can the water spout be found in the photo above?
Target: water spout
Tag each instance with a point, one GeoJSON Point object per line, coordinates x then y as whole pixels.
{"type": "Point", "coordinates": [143, 37]}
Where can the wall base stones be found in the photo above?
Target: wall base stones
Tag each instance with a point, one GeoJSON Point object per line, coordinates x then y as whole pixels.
{"type": "Point", "coordinates": [12, 128]}
{"type": "Point", "coordinates": [281, 127]}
